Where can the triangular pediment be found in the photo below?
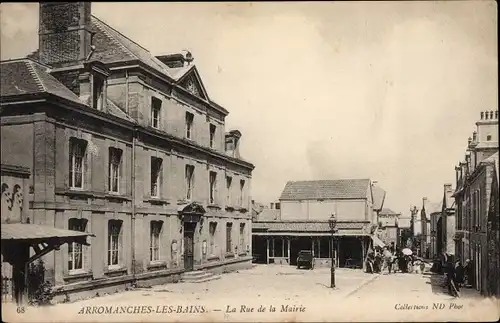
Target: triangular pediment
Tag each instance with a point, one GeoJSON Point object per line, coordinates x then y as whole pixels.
{"type": "Point", "coordinates": [191, 81]}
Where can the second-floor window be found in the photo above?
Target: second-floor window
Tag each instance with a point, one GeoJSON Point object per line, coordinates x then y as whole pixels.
{"type": "Point", "coordinates": [242, 192]}
{"type": "Point", "coordinates": [229, 180]}
{"type": "Point", "coordinates": [156, 164]}
{"type": "Point", "coordinates": [212, 135]}
{"type": "Point", "coordinates": [189, 181]}
{"type": "Point", "coordinates": [213, 183]}
{"type": "Point", "coordinates": [115, 161]}
{"type": "Point", "coordinates": [189, 125]}
{"type": "Point", "coordinates": [155, 112]}
{"type": "Point", "coordinates": [77, 162]}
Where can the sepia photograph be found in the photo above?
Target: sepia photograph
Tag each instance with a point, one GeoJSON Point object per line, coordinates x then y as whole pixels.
{"type": "Point", "coordinates": [293, 161]}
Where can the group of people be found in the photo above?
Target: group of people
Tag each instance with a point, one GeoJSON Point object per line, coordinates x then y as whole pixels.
{"type": "Point", "coordinates": [389, 258]}
{"type": "Point", "coordinates": [456, 274]}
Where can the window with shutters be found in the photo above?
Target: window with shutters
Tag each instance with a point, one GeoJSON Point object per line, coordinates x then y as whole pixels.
{"type": "Point", "coordinates": [77, 162]}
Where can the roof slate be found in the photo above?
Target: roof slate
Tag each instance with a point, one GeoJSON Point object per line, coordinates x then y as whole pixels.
{"type": "Point", "coordinates": [268, 215]}
{"type": "Point", "coordinates": [326, 189]}
{"type": "Point", "coordinates": [378, 197]}
{"type": "Point", "coordinates": [25, 76]}
{"type": "Point", "coordinates": [387, 211]}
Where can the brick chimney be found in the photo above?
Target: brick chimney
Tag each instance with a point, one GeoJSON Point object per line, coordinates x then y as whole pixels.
{"type": "Point", "coordinates": [64, 32]}
{"type": "Point", "coordinates": [233, 143]}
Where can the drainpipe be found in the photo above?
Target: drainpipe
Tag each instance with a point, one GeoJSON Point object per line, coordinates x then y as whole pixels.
{"type": "Point", "coordinates": [126, 92]}
{"type": "Point", "coordinates": [132, 229]}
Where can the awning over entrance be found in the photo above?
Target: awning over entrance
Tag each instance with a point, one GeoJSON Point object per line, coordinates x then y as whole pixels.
{"type": "Point", "coordinates": [35, 232]}
{"type": "Point", "coordinates": [42, 238]}
{"type": "Point", "coordinates": [377, 242]}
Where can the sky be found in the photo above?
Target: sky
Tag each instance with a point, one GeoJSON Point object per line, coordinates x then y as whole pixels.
{"type": "Point", "coordinates": [325, 90]}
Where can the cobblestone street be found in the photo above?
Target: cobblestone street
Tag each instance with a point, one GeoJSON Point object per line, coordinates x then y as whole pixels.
{"type": "Point", "coordinates": [358, 295]}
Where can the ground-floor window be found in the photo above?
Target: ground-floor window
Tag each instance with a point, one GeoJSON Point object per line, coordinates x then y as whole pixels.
{"type": "Point", "coordinates": [212, 230]}
{"type": "Point", "coordinates": [242, 237]}
{"type": "Point", "coordinates": [154, 242]}
{"type": "Point", "coordinates": [76, 250]}
{"type": "Point", "coordinates": [114, 242]}
{"type": "Point", "coordinates": [229, 242]}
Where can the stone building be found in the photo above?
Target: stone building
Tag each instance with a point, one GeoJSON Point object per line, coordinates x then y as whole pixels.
{"type": "Point", "coordinates": [388, 226]}
{"type": "Point", "coordinates": [301, 223]}
{"type": "Point", "coordinates": [127, 146]}
{"type": "Point", "coordinates": [476, 198]}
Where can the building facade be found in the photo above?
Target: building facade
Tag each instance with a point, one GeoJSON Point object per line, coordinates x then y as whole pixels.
{"type": "Point", "coordinates": [127, 146]}
{"type": "Point", "coordinates": [305, 208]}
{"type": "Point", "coordinates": [476, 198]}
{"type": "Point", "coordinates": [388, 226]}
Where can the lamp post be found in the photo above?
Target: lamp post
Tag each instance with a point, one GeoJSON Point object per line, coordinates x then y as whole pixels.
{"type": "Point", "coordinates": [332, 223]}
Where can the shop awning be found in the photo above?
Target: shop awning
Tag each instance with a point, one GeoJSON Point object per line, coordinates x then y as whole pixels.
{"type": "Point", "coordinates": [377, 242]}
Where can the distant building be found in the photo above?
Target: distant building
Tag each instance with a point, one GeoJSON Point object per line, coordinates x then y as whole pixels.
{"type": "Point", "coordinates": [476, 196]}
{"type": "Point", "coordinates": [404, 232]}
{"type": "Point", "coordinates": [302, 223]}
{"type": "Point", "coordinates": [433, 213]}
{"type": "Point", "coordinates": [446, 223]}
{"type": "Point", "coordinates": [388, 226]}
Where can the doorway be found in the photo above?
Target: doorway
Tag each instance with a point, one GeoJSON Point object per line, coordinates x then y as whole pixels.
{"type": "Point", "coordinates": [189, 229]}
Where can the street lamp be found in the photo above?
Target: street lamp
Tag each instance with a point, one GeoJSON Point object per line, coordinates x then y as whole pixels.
{"type": "Point", "coordinates": [332, 222]}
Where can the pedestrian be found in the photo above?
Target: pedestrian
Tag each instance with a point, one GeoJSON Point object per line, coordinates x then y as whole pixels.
{"type": "Point", "coordinates": [369, 262]}
{"type": "Point", "coordinates": [459, 273]}
{"type": "Point", "coordinates": [468, 273]}
{"type": "Point", "coordinates": [387, 258]}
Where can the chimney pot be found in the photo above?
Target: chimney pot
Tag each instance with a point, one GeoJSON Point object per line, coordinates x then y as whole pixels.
{"type": "Point", "coordinates": [469, 140]}
{"type": "Point", "coordinates": [491, 114]}
{"type": "Point", "coordinates": [496, 114]}
{"type": "Point", "coordinates": [486, 115]}
{"type": "Point", "coordinates": [482, 115]}
{"type": "Point", "coordinates": [474, 136]}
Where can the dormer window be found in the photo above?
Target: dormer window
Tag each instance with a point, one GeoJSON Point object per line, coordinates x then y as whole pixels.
{"type": "Point", "coordinates": [98, 92]}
